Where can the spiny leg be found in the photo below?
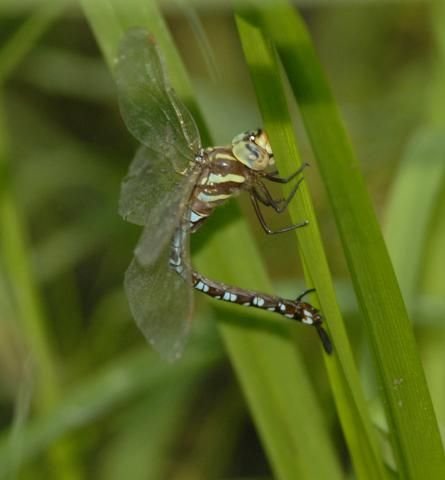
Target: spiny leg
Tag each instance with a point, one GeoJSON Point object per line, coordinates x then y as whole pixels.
{"type": "Point", "coordinates": [263, 223]}
{"type": "Point", "coordinates": [306, 292]}
{"type": "Point", "coordinates": [291, 309]}
{"type": "Point", "coordinates": [264, 196]}
{"type": "Point", "coordinates": [273, 177]}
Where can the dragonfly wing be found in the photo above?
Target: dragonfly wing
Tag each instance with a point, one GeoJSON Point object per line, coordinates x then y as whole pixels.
{"type": "Point", "coordinates": [156, 191]}
{"type": "Point", "coordinates": [150, 107]}
{"type": "Point", "coordinates": [161, 302]}
{"type": "Point", "coordinates": [156, 196]}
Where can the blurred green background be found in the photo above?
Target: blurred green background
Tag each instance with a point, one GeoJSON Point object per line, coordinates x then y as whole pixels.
{"type": "Point", "coordinates": [107, 407]}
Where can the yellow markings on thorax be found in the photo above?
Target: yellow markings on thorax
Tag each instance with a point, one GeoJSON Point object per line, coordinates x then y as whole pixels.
{"type": "Point", "coordinates": [223, 154]}
{"type": "Point", "coordinates": [218, 179]}
{"type": "Point", "coordinates": [223, 178]}
{"type": "Point", "coordinates": [230, 177]}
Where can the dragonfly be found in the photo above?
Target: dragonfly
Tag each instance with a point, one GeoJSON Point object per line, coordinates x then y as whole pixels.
{"type": "Point", "coordinates": [172, 187]}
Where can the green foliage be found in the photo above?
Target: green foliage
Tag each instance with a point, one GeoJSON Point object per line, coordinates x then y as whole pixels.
{"type": "Point", "coordinates": [415, 437]}
{"type": "Point", "coordinates": [81, 394]}
{"type": "Point", "coordinates": [350, 402]}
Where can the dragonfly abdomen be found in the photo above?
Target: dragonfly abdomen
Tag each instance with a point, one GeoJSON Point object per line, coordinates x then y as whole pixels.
{"type": "Point", "coordinates": [295, 310]}
{"type": "Point", "coordinates": [291, 309]}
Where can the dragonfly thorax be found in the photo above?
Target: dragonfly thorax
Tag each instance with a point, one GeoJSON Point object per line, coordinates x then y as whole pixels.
{"type": "Point", "coordinates": [226, 171]}
{"type": "Point", "coordinates": [222, 176]}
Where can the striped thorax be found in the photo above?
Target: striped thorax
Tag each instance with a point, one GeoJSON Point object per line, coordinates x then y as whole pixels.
{"type": "Point", "coordinates": [227, 171]}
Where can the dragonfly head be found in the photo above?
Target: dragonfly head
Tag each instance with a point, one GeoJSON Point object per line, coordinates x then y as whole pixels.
{"type": "Point", "coordinates": [253, 149]}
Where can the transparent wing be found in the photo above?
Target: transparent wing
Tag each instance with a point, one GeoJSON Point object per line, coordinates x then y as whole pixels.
{"type": "Point", "coordinates": [155, 195]}
{"type": "Point", "coordinates": [150, 107]}
{"type": "Point", "coordinates": [161, 302]}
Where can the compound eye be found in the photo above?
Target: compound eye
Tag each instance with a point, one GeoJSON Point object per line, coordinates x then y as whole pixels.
{"type": "Point", "coordinates": [251, 155]}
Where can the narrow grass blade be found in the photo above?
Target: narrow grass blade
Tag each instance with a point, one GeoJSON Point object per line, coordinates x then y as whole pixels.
{"type": "Point", "coordinates": [14, 250]}
{"type": "Point", "coordinates": [96, 397]}
{"type": "Point", "coordinates": [30, 312]}
{"type": "Point", "coordinates": [265, 71]}
{"type": "Point", "coordinates": [273, 378]}
{"type": "Point", "coordinates": [412, 204]}
{"type": "Point", "coordinates": [415, 436]}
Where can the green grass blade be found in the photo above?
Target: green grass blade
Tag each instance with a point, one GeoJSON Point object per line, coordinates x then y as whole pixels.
{"type": "Point", "coordinates": [110, 19]}
{"type": "Point", "coordinates": [415, 436]}
{"type": "Point", "coordinates": [16, 259]}
{"type": "Point", "coordinates": [415, 201]}
{"type": "Point", "coordinates": [31, 314]}
{"type": "Point", "coordinates": [97, 397]}
{"type": "Point", "coordinates": [272, 375]}
{"type": "Point", "coordinates": [415, 209]}
{"type": "Point", "coordinates": [13, 239]}
{"type": "Point", "coordinates": [411, 206]}
{"type": "Point", "coordinates": [274, 380]}
{"type": "Point", "coordinates": [264, 68]}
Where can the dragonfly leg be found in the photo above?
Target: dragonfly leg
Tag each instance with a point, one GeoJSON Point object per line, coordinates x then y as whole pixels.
{"type": "Point", "coordinates": [263, 223]}
{"type": "Point", "coordinates": [306, 292]}
{"type": "Point", "coordinates": [280, 205]}
{"type": "Point", "coordinates": [291, 309]}
{"type": "Point", "coordinates": [274, 177]}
